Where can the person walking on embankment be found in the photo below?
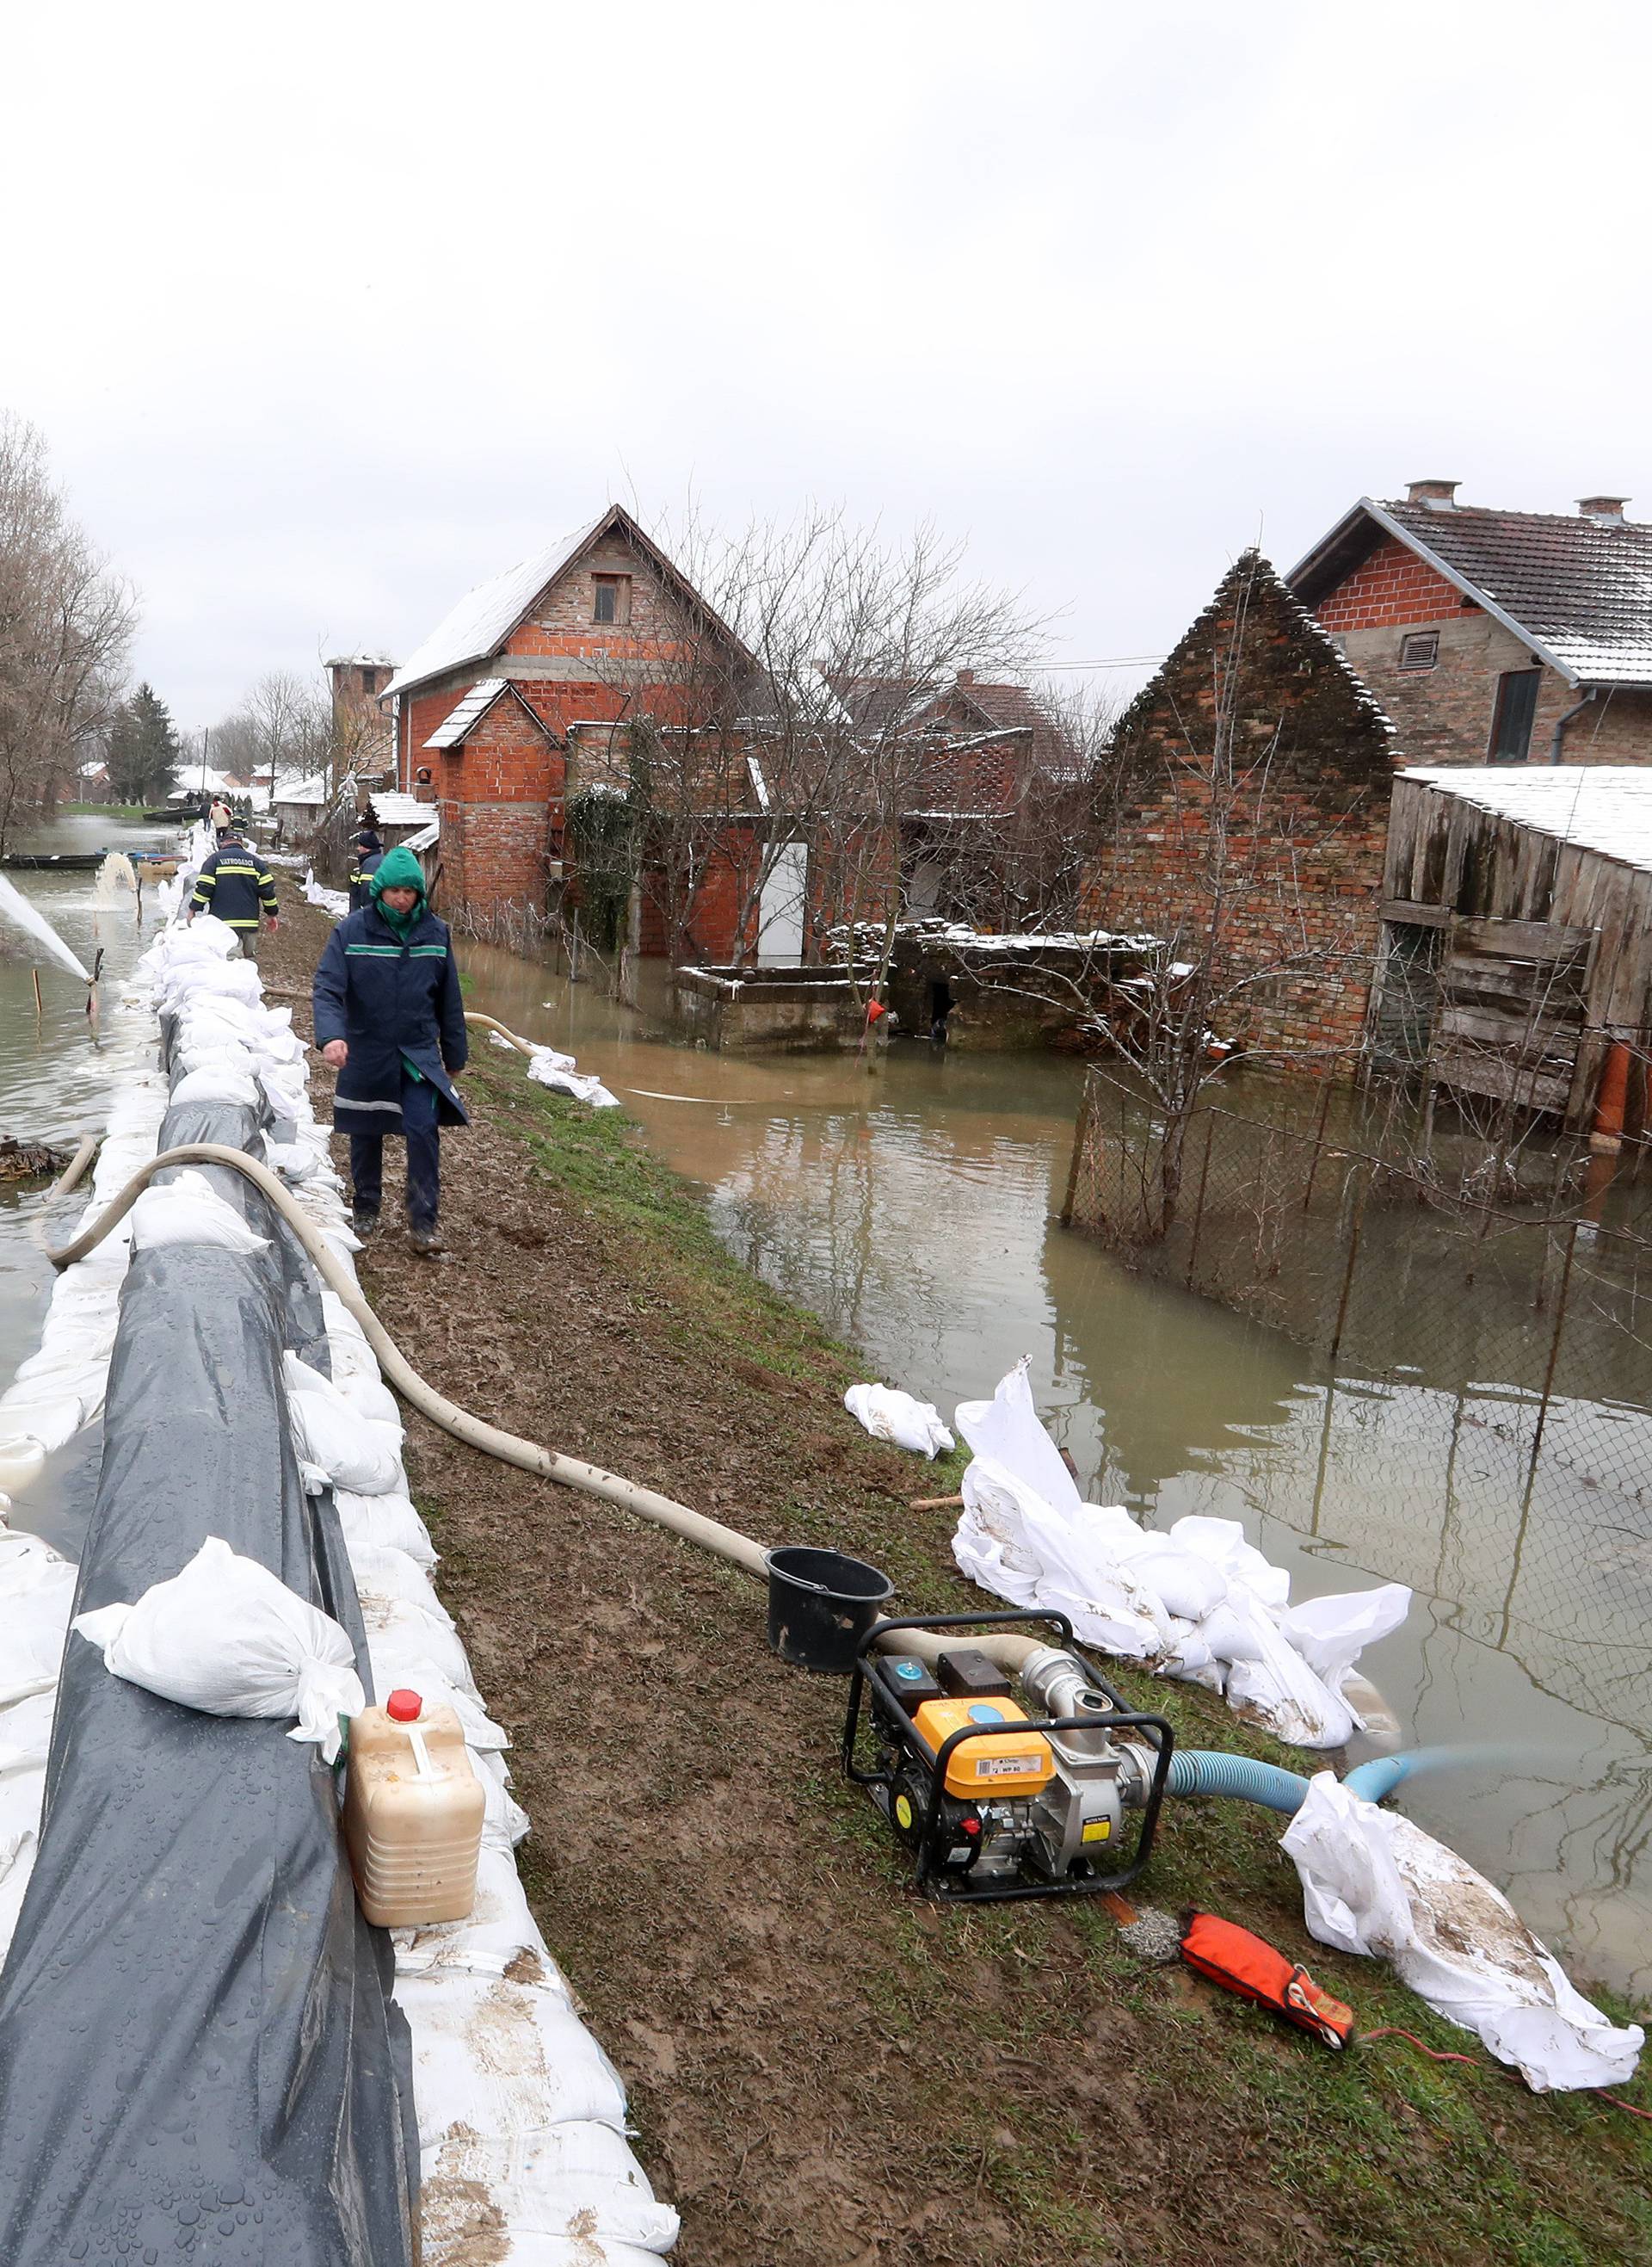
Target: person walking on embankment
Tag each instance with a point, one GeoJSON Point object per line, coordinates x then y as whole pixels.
{"type": "Point", "coordinates": [237, 886]}
{"type": "Point", "coordinates": [369, 852]}
{"type": "Point", "coordinates": [219, 817]}
{"type": "Point", "coordinates": [389, 1018]}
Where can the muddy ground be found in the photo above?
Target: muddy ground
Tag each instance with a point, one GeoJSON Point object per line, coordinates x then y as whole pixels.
{"type": "Point", "coordinates": [825, 2072]}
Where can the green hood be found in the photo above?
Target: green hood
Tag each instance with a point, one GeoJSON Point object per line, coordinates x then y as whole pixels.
{"type": "Point", "coordinates": [398, 869]}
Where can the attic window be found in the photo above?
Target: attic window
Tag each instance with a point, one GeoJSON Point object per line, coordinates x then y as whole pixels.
{"type": "Point", "coordinates": [1420, 650]}
{"type": "Point", "coordinates": [612, 598]}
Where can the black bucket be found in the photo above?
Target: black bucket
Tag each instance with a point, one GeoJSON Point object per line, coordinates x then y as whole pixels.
{"type": "Point", "coordinates": [821, 1606]}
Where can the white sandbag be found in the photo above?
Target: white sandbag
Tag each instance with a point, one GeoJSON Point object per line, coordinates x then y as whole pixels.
{"type": "Point", "coordinates": [47, 1419]}
{"type": "Point", "coordinates": [1221, 1543]}
{"type": "Point", "coordinates": [502, 2060]}
{"type": "Point", "coordinates": [493, 1936]}
{"type": "Point", "coordinates": [389, 1521]}
{"type": "Point", "coordinates": [557, 1072]}
{"type": "Point", "coordinates": [383, 1573]}
{"type": "Point", "coordinates": [1186, 1586]}
{"type": "Point", "coordinates": [407, 1645]}
{"type": "Point", "coordinates": [370, 1397]}
{"type": "Point", "coordinates": [22, 1792]}
{"type": "Point", "coordinates": [227, 1637]}
{"type": "Point", "coordinates": [189, 1210]}
{"type": "Point", "coordinates": [1330, 1632]}
{"type": "Point", "coordinates": [1277, 1688]}
{"type": "Point", "coordinates": [1372, 1882]}
{"type": "Point", "coordinates": [218, 1080]}
{"type": "Point", "coordinates": [353, 1450]}
{"type": "Point", "coordinates": [578, 2173]}
{"type": "Point", "coordinates": [888, 1414]}
{"type": "Point", "coordinates": [22, 1459]}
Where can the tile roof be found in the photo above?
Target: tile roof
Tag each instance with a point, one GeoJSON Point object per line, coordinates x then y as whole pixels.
{"type": "Point", "coordinates": [458, 721]}
{"type": "Point", "coordinates": [1602, 807]}
{"type": "Point", "coordinates": [485, 617]}
{"type": "Point", "coordinates": [1578, 588]}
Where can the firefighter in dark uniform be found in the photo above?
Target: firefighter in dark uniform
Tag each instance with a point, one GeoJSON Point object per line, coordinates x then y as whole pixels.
{"type": "Point", "coordinates": [369, 851]}
{"type": "Point", "coordinates": [390, 1019]}
{"type": "Point", "coordinates": [235, 885]}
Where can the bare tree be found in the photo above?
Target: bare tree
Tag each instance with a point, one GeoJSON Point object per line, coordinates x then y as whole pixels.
{"type": "Point", "coordinates": [799, 655]}
{"type": "Point", "coordinates": [66, 624]}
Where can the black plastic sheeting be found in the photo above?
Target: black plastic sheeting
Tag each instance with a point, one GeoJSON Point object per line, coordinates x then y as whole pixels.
{"type": "Point", "coordinates": [199, 2055]}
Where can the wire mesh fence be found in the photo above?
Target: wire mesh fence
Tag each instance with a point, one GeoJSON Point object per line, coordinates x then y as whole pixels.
{"type": "Point", "coordinates": [1485, 1366]}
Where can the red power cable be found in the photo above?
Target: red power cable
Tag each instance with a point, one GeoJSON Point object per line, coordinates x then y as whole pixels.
{"type": "Point", "coordinates": [1394, 2031]}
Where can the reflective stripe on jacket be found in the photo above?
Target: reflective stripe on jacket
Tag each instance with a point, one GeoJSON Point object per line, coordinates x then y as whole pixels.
{"type": "Point", "coordinates": [233, 886]}
{"type": "Point", "coordinates": [365, 870]}
{"type": "Point", "coordinates": [390, 1000]}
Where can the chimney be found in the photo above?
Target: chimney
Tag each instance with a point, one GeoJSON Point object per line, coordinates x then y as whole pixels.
{"type": "Point", "coordinates": [1607, 510]}
{"type": "Point", "coordinates": [1440, 495]}
{"type": "Point", "coordinates": [966, 677]}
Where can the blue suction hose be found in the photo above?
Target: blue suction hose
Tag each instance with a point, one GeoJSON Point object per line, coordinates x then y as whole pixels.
{"type": "Point", "coordinates": [1206, 1771]}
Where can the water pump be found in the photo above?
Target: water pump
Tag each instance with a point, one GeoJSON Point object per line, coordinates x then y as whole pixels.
{"type": "Point", "coordinates": [996, 1797]}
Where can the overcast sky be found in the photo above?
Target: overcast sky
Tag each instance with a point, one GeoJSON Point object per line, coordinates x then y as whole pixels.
{"type": "Point", "coordinates": [329, 312]}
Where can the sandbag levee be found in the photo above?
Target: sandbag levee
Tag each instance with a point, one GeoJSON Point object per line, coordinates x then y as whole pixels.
{"type": "Point", "coordinates": [198, 2048]}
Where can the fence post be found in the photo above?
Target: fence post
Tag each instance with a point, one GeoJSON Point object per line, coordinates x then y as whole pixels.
{"type": "Point", "coordinates": [1554, 1352]}
{"type": "Point", "coordinates": [1198, 1209]}
{"type": "Point", "coordinates": [1354, 1228]}
{"type": "Point", "coordinates": [1080, 1134]}
{"type": "Point", "coordinates": [1319, 1142]}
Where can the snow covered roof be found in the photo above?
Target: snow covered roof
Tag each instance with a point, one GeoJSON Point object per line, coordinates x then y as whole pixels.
{"type": "Point", "coordinates": [485, 616]}
{"type": "Point", "coordinates": [1576, 589]}
{"type": "Point", "coordinates": [391, 809]}
{"type": "Point", "coordinates": [1602, 807]}
{"type": "Point", "coordinates": [457, 722]}
{"type": "Point", "coordinates": [426, 837]}
{"type": "Point", "coordinates": [311, 792]}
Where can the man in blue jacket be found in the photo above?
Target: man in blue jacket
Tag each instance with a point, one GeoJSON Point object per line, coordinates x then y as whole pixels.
{"type": "Point", "coordinates": [390, 1019]}
{"type": "Point", "coordinates": [369, 852]}
{"type": "Point", "coordinates": [237, 886]}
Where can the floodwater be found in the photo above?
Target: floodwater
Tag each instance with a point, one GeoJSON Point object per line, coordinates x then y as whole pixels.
{"type": "Point", "coordinates": [914, 1208]}
{"type": "Point", "coordinates": [58, 1069]}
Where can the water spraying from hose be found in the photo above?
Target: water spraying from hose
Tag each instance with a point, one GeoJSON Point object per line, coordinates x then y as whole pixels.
{"type": "Point", "coordinates": [15, 908]}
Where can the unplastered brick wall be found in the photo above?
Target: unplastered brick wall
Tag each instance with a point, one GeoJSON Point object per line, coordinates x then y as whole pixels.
{"type": "Point", "coordinates": [1392, 586]}
{"type": "Point", "coordinates": [1300, 794]}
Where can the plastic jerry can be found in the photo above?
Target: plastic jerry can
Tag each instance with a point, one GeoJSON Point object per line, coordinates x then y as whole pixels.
{"type": "Point", "coordinates": [412, 1814]}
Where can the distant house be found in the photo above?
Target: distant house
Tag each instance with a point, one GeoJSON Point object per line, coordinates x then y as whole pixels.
{"type": "Point", "coordinates": [522, 695]}
{"type": "Point", "coordinates": [1243, 818]}
{"type": "Point", "coordinates": [298, 803]}
{"type": "Point", "coordinates": [1494, 637]}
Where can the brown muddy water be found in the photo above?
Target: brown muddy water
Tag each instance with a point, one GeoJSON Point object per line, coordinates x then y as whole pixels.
{"type": "Point", "coordinates": [914, 1209]}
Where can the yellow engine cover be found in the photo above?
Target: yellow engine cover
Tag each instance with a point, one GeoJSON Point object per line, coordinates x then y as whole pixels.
{"type": "Point", "coordinates": [983, 1769]}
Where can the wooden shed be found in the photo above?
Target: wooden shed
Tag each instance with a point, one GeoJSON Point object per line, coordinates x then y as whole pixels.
{"type": "Point", "coordinates": [1516, 946]}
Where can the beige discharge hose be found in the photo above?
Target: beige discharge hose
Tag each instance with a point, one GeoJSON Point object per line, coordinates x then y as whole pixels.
{"type": "Point", "coordinates": [1010, 1653]}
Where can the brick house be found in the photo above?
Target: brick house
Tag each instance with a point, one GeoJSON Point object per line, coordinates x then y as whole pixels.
{"type": "Point", "coordinates": [1243, 815]}
{"type": "Point", "coordinates": [517, 701]}
{"type": "Point", "coordinates": [1494, 636]}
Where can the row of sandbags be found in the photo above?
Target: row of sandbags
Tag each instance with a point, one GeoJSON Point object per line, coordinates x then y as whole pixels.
{"type": "Point", "coordinates": [521, 2116]}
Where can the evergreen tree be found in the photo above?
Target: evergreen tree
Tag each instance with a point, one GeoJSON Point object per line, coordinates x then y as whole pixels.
{"type": "Point", "coordinates": [143, 750]}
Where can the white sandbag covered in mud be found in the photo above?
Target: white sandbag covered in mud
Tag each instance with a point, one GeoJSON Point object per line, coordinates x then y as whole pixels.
{"type": "Point", "coordinates": [1196, 1600]}
{"type": "Point", "coordinates": [888, 1414]}
{"type": "Point", "coordinates": [1373, 1882]}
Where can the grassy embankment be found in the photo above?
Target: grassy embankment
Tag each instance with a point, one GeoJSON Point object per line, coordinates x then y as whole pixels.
{"type": "Point", "coordinates": [1081, 2106]}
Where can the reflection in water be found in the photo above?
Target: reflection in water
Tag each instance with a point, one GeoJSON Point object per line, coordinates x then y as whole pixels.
{"type": "Point", "coordinates": [913, 1209]}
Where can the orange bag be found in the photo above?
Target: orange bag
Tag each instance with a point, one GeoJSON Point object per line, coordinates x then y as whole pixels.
{"type": "Point", "coordinates": [1231, 1956]}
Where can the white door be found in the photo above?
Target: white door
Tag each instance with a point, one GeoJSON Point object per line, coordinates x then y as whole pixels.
{"type": "Point", "coordinates": [780, 908]}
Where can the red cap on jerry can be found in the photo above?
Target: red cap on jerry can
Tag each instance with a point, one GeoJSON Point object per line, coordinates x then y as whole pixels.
{"type": "Point", "coordinates": [405, 1706]}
